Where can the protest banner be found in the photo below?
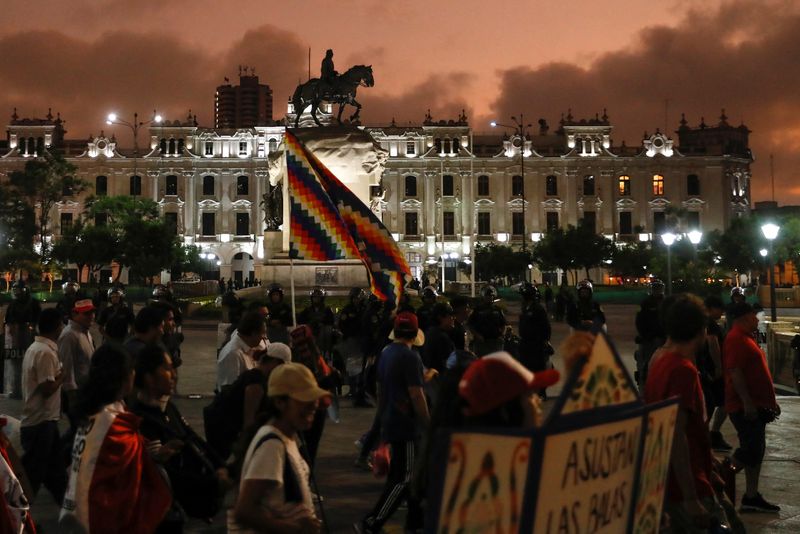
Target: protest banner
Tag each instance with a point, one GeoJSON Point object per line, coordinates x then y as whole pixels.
{"type": "Point", "coordinates": [598, 464]}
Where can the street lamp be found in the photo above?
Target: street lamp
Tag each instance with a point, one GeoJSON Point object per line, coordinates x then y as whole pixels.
{"type": "Point", "coordinates": [770, 231]}
{"type": "Point", "coordinates": [668, 239]}
{"type": "Point", "coordinates": [113, 118]}
{"type": "Point", "coordinates": [519, 128]}
{"type": "Point", "coordinates": [695, 236]}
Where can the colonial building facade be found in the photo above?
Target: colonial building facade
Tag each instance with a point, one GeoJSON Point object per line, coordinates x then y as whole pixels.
{"type": "Point", "coordinates": [444, 188]}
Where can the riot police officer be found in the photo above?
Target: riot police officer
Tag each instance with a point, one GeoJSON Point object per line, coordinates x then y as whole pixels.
{"type": "Point", "coordinates": [738, 295]}
{"type": "Point", "coordinates": [649, 328]}
{"type": "Point", "coordinates": [425, 312]}
{"type": "Point", "coordinates": [320, 318]}
{"type": "Point", "coordinates": [280, 316]}
{"type": "Point", "coordinates": [117, 306]}
{"type": "Point", "coordinates": [19, 326]}
{"type": "Point", "coordinates": [534, 330]}
{"type": "Point", "coordinates": [487, 324]}
{"type": "Point", "coordinates": [67, 301]}
{"type": "Point", "coordinates": [585, 313]}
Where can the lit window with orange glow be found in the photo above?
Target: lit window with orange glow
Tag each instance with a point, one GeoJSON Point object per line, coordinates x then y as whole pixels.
{"type": "Point", "coordinates": [624, 185]}
{"type": "Point", "coordinates": [658, 185]}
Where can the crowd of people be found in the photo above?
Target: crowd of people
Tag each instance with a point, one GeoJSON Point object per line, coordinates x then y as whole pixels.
{"type": "Point", "coordinates": [129, 461]}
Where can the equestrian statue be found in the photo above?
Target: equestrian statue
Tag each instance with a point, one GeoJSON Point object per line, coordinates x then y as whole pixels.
{"type": "Point", "coordinates": [332, 87]}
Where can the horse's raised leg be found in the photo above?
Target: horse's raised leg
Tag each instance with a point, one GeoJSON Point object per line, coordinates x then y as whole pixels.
{"type": "Point", "coordinates": [314, 107]}
{"type": "Point", "coordinates": [354, 116]}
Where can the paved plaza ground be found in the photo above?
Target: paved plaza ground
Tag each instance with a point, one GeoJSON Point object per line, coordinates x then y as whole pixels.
{"type": "Point", "coordinates": [349, 493]}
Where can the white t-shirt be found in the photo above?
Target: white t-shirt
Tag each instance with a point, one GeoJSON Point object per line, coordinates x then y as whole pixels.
{"type": "Point", "coordinates": [266, 463]}
{"type": "Point", "coordinates": [234, 359]}
{"type": "Point", "coordinates": [39, 365]}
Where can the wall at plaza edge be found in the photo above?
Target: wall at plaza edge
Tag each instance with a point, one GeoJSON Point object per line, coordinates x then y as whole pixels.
{"type": "Point", "coordinates": [440, 186]}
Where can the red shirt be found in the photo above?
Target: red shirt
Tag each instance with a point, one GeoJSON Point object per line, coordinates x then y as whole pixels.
{"type": "Point", "coordinates": [741, 351]}
{"type": "Point", "coordinates": [672, 375]}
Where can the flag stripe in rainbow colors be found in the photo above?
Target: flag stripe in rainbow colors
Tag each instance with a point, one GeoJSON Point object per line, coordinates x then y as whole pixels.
{"type": "Point", "coordinates": [329, 222]}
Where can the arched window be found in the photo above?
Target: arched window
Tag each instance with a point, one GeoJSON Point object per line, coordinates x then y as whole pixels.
{"type": "Point", "coordinates": [517, 186]}
{"type": "Point", "coordinates": [136, 185]}
{"type": "Point", "coordinates": [101, 186]}
{"type": "Point", "coordinates": [172, 185]}
{"type": "Point", "coordinates": [456, 145]}
{"type": "Point", "coordinates": [172, 146]}
{"type": "Point", "coordinates": [658, 185]}
{"type": "Point", "coordinates": [588, 185]}
{"type": "Point", "coordinates": [39, 146]}
{"type": "Point", "coordinates": [448, 189]}
{"type": "Point", "coordinates": [242, 185]}
{"type": "Point", "coordinates": [483, 186]}
{"type": "Point", "coordinates": [181, 144]}
{"type": "Point", "coordinates": [411, 186]}
{"type": "Point", "coordinates": [162, 146]}
{"type": "Point", "coordinates": [693, 185]}
{"type": "Point", "coordinates": [273, 145]}
{"type": "Point", "coordinates": [208, 185]}
{"type": "Point", "coordinates": [624, 185]}
{"type": "Point", "coordinates": [438, 145]}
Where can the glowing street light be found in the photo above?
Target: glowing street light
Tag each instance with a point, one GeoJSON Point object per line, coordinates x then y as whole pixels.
{"type": "Point", "coordinates": [763, 252]}
{"type": "Point", "coordinates": [113, 118]}
{"type": "Point", "coordinates": [695, 236]}
{"type": "Point", "coordinates": [770, 231]}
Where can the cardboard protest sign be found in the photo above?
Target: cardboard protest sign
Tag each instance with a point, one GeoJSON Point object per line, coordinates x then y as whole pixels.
{"type": "Point", "coordinates": [597, 465]}
{"type": "Point", "coordinates": [655, 466]}
{"type": "Point", "coordinates": [484, 481]}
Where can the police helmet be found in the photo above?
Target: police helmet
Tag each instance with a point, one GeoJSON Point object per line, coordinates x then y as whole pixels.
{"type": "Point", "coordinates": [529, 291]}
{"type": "Point", "coordinates": [317, 291]}
{"type": "Point", "coordinates": [356, 293]}
{"type": "Point", "coordinates": [656, 286]}
{"type": "Point", "coordinates": [161, 292]}
{"type": "Point", "coordinates": [738, 290]}
{"type": "Point", "coordinates": [585, 284]}
{"type": "Point", "coordinates": [70, 287]}
{"type": "Point", "coordinates": [116, 290]}
{"type": "Point", "coordinates": [275, 288]}
{"type": "Point", "coordinates": [429, 293]}
{"type": "Point", "coordinates": [19, 289]}
{"type": "Point", "coordinates": [489, 292]}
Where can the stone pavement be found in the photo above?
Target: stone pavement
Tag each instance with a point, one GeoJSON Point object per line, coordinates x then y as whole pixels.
{"type": "Point", "coordinates": [350, 493]}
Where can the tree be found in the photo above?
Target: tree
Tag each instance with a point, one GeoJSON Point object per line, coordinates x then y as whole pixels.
{"type": "Point", "coordinates": [552, 251]}
{"type": "Point", "coordinates": [17, 230]}
{"type": "Point", "coordinates": [88, 246]}
{"type": "Point", "coordinates": [43, 182]}
{"type": "Point", "coordinates": [631, 260]}
{"type": "Point", "coordinates": [496, 261]}
{"type": "Point", "coordinates": [147, 247]}
{"type": "Point", "coordinates": [589, 248]}
{"type": "Point", "coordinates": [737, 248]}
{"type": "Point", "coordinates": [187, 260]}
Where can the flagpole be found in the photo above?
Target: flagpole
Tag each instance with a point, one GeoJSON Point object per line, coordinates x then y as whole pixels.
{"type": "Point", "coordinates": [291, 289]}
{"type": "Point", "coordinates": [475, 215]}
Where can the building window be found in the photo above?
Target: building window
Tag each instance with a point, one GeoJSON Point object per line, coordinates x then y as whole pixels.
{"type": "Point", "coordinates": [411, 186]}
{"type": "Point", "coordinates": [208, 185]}
{"type": "Point", "coordinates": [658, 185]}
{"type": "Point", "coordinates": [517, 186]}
{"type": "Point", "coordinates": [412, 223]}
{"type": "Point", "coordinates": [172, 185]}
{"type": "Point", "coordinates": [101, 186]}
{"type": "Point", "coordinates": [624, 185]}
{"type": "Point", "coordinates": [273, 145]}
{"type": "Point", "coordinates": [242, 224]}
{"type": "Point", "coordinates": [552, 221]}
{"type": "Point", "coordinates": [659, 222]}
{"type": "Point", "coordinates": [100, 219]}
{"type": "Point", "coordinates": [449, 223]}
{"type": "Point", "coordinates": [172, 146]}
{"type": "Point", "coordinates": [693, 185]}
{"type": "Point", "coordinates": [483, 186]}
{"type": "Point", "coordinates": [625, 223]}
{"type": "Point", "coordinates": [588, 185]}
{"type": "Point", "coordinates": [410, 148]}
{"type": "Point", "coordinates": [66, 222]}
{"type": "Point", "coordinates": [242, 148]}
{"type": "Point", "coordinates": [517, 223]}
{"type": "Point", "coordinates": [162, 146]}
{"type": "Point", "coordinates": [171, 221]}
{"type": "Point", "coordinates": [208, 224]}
{"type": "Point", "coordinates": [456, 145]}
{"type": "Point", "coordinates": [438, 145]}
{"type": "Point", "coordinates": [551, 186]}
{"type": "Point", "coordinates": [484, 223]}
{"type": "Point", "coordinates": [447, 185]}
{"type": "Point", "coordinates": [66, 189]}
{"type": "Point", "coordinates": [242, 186]}
{"type": "Point", "coordinates": [589, 221]}
{"type": "Point", "coordinates": [692, 220]}
{"type": "Point", "coordinates": [136, 185]}
{"type": "Point", "coordinates": [209, 148]}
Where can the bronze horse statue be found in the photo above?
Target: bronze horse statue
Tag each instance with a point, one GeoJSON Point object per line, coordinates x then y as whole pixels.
{"type": "Point", "coordinates": [342, 91]}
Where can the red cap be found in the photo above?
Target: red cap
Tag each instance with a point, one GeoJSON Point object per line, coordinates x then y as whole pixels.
{"type": "Point", "coordinates": [497, 378]}
{"type": "Point", "coordinates": [83, 306]}
{"type": "Point", "coordinates": [406, 321]}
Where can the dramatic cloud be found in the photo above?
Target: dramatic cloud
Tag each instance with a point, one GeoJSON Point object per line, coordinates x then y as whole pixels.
{"type": "Point", "coordinates": [741, 57]}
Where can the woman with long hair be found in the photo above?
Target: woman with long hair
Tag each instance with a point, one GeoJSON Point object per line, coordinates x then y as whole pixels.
{"type": "Point", "coordinates": [114, 485]}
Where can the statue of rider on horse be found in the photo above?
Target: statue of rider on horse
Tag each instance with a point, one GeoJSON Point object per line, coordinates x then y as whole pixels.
{"type": "Point", "coordinates": [332, 87]}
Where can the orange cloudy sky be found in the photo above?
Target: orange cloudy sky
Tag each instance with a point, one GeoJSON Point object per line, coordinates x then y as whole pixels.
{"type": "Point", "coordinates": [87, 57]}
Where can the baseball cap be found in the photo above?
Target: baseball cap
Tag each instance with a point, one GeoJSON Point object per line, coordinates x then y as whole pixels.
{"type": "Point", "coordinates": [296, 381]}
{"type": "Point", "coordinates": [279, 351]}
{"type": "Point", "coordinates": [497, 378]}
{"type": "Point", "coordinates": [407, 324]}
{"type": "Point", "coordinates": [83, 306]}
{"type": "Point", "coordinates": [740, 309]}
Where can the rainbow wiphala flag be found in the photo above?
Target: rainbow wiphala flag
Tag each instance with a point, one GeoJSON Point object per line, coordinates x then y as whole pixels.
{"type": "Point", "coordinates": [329, 222]}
